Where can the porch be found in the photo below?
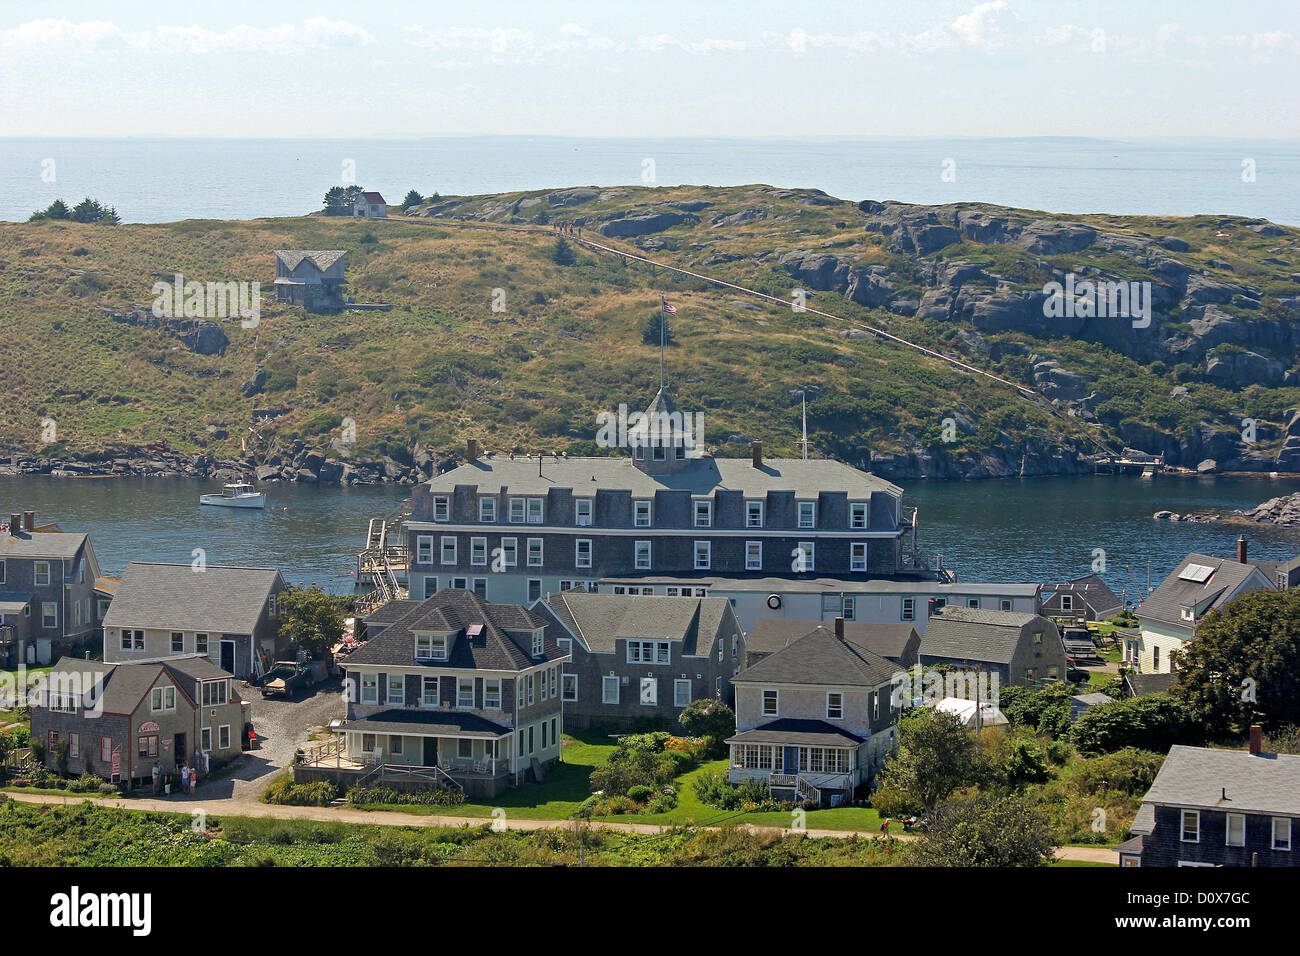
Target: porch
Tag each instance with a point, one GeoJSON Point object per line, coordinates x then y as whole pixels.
{"type": "Point", "coordinates": [799, 760]}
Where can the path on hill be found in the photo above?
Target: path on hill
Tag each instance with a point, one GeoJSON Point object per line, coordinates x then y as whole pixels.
{"type": "Point", "coordinates": [1025, 391]}
{"type": "Point", "coordinates": [221, 807]}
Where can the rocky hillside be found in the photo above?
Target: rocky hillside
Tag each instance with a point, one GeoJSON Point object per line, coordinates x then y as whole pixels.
{"type": "Point", "coordinates": [492, 334]}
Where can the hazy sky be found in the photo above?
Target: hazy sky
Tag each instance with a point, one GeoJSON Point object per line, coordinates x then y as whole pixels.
{"type": "Point", "coordinates": [1109, 68]}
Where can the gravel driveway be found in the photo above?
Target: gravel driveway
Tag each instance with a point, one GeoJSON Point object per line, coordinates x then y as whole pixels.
{"type": "Point", "coordinates": [282, 727]}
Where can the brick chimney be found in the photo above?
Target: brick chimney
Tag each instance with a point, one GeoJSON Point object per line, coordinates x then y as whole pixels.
{"type": "Point", "coordinates": [471, 449]}
{"type": "Point", "coordinates": [1241, 549]}
{"type": "Point", "coordinates": [15, 524]}
{"type": "Point", "coordinates": [839, 628]}
{"type": "Point", "coordinates": [29, 521]}
{"type": "Point", "coordinates": [1256, 739]}
{"type": "Point", "coordinates": [758, 454]}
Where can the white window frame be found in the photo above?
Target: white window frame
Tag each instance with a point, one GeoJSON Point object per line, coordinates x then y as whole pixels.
{"type": "Point", "coordinates": [606, 682]}
{"type": "Point", "coordinates": [205, 738]}
{"type": "Point", "coordinates": [856, 563]}
{"type": "Point", "coordinates": [441, 508]}
{"type": "Point", "coordinates": [478, 551]}
{"type": "Point", "coordinates": [510, 552]}
{"type": "Point", "coordinates": [41, 577]}
{"type": "Point", "coordinates": [461, 684]}
{"type": "Point", "coordinates": [536, 511]}
{"type": "Point", "coordinates": [518, 511]}
{"type": "Point", "coordinates": [773, 694]}
{"type": "Point", "coordinates": [424, 549]}
{"type": "Point", "coordinates": [49, 614]}
{"type": "Point", "coordinates": [830, 707]}
{"type": "Point", "coordinates": [535, 552]}
{"type": "Point", "coordinates": [1273, 841]}
{"type": "Point", "coordinates": [442, 550]}
{"type": "Point", "coordinates": [1240, 819]}
{"type": "Point", "coordinates": [808, 556]}
{"type": "Point", "coordinates": [397, 699]}
{"type": "Point", "coordinates": [708, 555]}
{"type": "Point", "coordinates": [223, 737]}
{"type": "Point", "coordinates": [1183, 817]}
{"type": "Point", "coordinates": [492, 693]}
{"type": "Point", "coordinates": [640, 548]}
{"type": "Point", "coordinates": [569, 687]}
{"type": "Point", "coordinates": [753, 555]}
{"type": "Point", "coordinates": [679, 685]}
{"type": "Point", "coordinates": [487, 510]}
{"type": "Point", "coordinates": [750, 507]}
{"type": "Point", "coordinates": [166, 702]}
{"type": "Point", "coordinates": [583, 508]}
{"type": "Point", "coordinates": [639, 506]}
{"type": "Point", "coordinates": [811, 506]}
{"type": "Point", "coordinates": [427, 681]}
{"type": "Point", "coordinates": [707, 505]}
{"type": "Point", "coordinates": [579, 546]}
{"type": "Point", "coordinates": [859, 515]}
{"type": "Point", "coordinates": [369, 688]}
{"type": "Point", "coordinates": [907, 609]}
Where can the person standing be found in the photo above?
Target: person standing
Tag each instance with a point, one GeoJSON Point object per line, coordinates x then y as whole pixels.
{"type": "Point", "coordinates": [157, 777]}
{"type": "Point", "coordinates": [185, 779]}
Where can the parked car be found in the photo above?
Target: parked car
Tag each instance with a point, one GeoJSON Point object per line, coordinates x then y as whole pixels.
{"type": "Point", "coordinates": [285, 678]}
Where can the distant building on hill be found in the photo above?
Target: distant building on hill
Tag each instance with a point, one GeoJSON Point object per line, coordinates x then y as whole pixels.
{"type": "Point", "coordinates": [311, 278]}
{"type": "Point", "coordinates": [370, 205]}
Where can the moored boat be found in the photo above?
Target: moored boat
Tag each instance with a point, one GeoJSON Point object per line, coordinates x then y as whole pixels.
{"type": "Point", "coordinates": [236, 496]}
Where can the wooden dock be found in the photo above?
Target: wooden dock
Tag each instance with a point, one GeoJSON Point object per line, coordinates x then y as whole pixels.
{"type": "Point", "coordinates": [383, 567]}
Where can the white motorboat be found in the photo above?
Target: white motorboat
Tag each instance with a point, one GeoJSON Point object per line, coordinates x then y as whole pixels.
{"type": "Point", "coordinates": [236, 496]}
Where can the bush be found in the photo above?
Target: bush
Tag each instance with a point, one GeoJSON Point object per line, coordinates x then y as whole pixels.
{"type": "Point", "coordinates": [715, 790]}
{"type": "Point", "coordinates": [434, 796]}
{"type": "Point", "coordinates": [284, 791]}
{"type": "Point", "coordinates": [640, 793]}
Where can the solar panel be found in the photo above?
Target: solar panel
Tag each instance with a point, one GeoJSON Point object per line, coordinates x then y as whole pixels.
{"type": "Point", "coordinates": [1199, 573]}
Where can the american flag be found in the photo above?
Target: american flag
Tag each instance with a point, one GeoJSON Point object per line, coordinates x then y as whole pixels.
{"type": "Point", "coordinates": [669, 308]}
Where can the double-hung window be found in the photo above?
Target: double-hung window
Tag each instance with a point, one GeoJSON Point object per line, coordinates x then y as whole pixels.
{"type": "Point", "coordinates": [534, 552]}
{"type": "Point", "coordinates": [464, 692]}
{"type": "Point", "coordinates": [478, 551]}
{"type": "Point", "coordinates": [681, 693]}
{"type": "Point", "coordinates": [178, 642]}
{"type": "Point", "coordinates": [487, 509]}
{"type": "Point", "coordinates": [441, 508]}
{"type": "Point", "coordinates": [753, 555]}
{"type": "Point", "coordinates": [535, 510]}
{"type": "Point", "coordinates": [858, 556]}
{"type": "Point", "coordinates": [582, 512]}
{"type": "Point", "coordinates": [909, 609]}
{"type": "Point", "coordinates": [858, 515]}
{"type": "Point", "coordinates": [803, 558]}
{"type": "Point", "coordinates": [510, 552]}
{"type": "Point", "coordinates": [582, 553]}
{"type": "Point", "coordinates": [753, 514]}
{"type": "Point", "coordinates": [834, 705]}
{"type": "Point", "coordinates": [492, 693]}
{"type": "Point", "coordinates": [132, 640]}
{"type": "Point", "coordinates": [807, 514]}
{"type": "Point", "coordinates": [429, 691]}
{"type": "Point", "coordinates": [517, 506]}
{"type": "Point", "coordinates": [1235, 833]}
{"type": "Point", "coordinates": [641, 513]}
{"type": "Point", "coordinates": [42, 571]}
{"type": "Point", "coordinates": [397, 690]}
{"type": "Point", "coordinates": [424, 549]}
{"type": "Point", "coordinates": [703, 513]}
{"type": "Point", "coordinates": [771, 703]}
{"type": "Point", "coordinates": [703, 555]}
{"type": "Point", "coordinates": [162, 698]}
{"type": "Point", "coordinates": [609, 690]}
{"type": "Point", "coordinates": [1191, 826]}
{"type": "Point", "coordinates": [1282, 833]}
{"type": "Point", "coordinates": [449, 549]}
{"type": "Point", "coordinates": [642, 555]}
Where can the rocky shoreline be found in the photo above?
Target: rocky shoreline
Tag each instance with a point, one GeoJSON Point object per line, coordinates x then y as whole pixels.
{"type": "Point", "coordinates": [293, 463]}
{"type": "Point", "coordinates": [1283, 511]}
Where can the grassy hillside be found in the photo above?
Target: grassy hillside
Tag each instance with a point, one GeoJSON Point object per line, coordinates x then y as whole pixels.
{"type": "Point", "coordinates": [442, 364]}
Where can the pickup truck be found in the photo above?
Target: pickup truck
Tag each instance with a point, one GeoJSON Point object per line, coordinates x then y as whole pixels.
{"type": "Point", "coordinates": [285, 678]}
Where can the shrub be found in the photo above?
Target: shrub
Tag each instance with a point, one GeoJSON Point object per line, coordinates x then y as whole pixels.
{"type": "Point", "coordinates": [640, 792]}
{"type": "Point", "coordinates": [284, 791]}
{"type": "Point", "coordinates": [434, 796]}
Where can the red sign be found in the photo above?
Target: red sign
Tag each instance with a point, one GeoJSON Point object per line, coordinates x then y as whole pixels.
{"type": "Point", "coordinates": [148, 727]}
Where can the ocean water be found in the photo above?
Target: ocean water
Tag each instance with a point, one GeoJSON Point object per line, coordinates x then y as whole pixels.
{"type": "Point", "coordinates": [161, 180]}
{"type": "Point", "coordinates": [1040, 529]}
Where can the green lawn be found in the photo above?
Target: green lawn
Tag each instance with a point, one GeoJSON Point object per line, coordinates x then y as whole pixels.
{"type": "Point", "coordinates": [567, 786]}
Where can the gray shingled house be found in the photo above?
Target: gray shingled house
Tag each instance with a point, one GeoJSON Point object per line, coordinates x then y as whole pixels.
{"type": "Point", "coordinates": [638, 661]}
{"type": "Point", "coordinates": [815, 719]}
{"type": "Point", "coordinates": [515, 528]}
{"type": "Point", "coordinates": [1172, 612]}
{"type": "Point", "coordinates": [1215, 807]}
{"type": "Point", "coordinates": [119, 719]}
{"type": "Point", "coordinates": [50, 604]}
{"type": "Point", "coordinates": [311, 278]}
{"type": "Point", "coordinates": [454, 691]}
{"type": "Point", "coordinates": [1081, 599]}
{"type": "Point", "coordinates": [221, 612]}
{"type": "Point", "coordinates": [897, 642]}
{"type": "Point", "coordinates": [1022, 649]}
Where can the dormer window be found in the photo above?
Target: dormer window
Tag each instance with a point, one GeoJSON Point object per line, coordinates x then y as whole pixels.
{"type": "Point", "coordinates": [582, 512]}
{"type": "Point", "coordinates": [703, 513]}
{"type": "Point", "coordinates": [441, 508]}
{"type": "Point", "coordinates": [487, 509]}
{"type": "Point", "coordinates": [858, 515]}
{"type": "Point", "coordinates": [1187, 613]}
{"type": "Point", "coordinates": [431, 647]}
{"type": "Point", "coordinates": [641, 514]}
{"type": "Point", "coordinates": [516, 510]}
{"type": "Point", "coordinates": [753, 514]}
{"type": "Point", "coordinates": [534, 510]}
{"type": "Point", "coordinates": [807, 514]}
{"type": "Point", "coordinates": [537, 643]}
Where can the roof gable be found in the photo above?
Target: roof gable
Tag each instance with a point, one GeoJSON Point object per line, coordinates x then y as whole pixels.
{"type": "Point", "coordinates": [819, 657]}
{"type": "Point", "coordinates": [219, 599]}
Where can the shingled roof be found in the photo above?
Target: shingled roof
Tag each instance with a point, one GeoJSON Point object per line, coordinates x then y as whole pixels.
{"type": "Point", "coordinates": [1166, 602]}
{"type": "Point", "coordinates": [599, 620]}
{"type": "Point", "coordinates": [456, 611]}
{"type": "Point", "coordinates": [121, 687]}
{"type": "Point", "coordinates": [219, 599]}
{"type": "Point", "coordinates": [322, 259]}
{"type": "Point", "coordinates": [885, 638]}
{"type": "Point", "coordinates": [973, 634]}
{"type": "Point", "coordinates": [58, 546]}
{"type": "Point", "coordinates": [1200, 777]}
{"type": "Point", "coordinates": [819, 657]}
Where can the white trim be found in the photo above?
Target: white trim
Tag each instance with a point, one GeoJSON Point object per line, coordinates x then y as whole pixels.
{"type": "Point", "coordinates": [674, 532]}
